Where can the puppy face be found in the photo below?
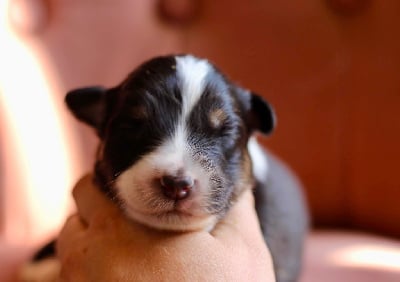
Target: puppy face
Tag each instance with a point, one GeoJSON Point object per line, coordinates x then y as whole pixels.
{"type": "Point", "coordinates": [174, 134]}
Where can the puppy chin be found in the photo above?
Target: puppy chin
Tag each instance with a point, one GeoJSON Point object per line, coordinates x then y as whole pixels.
{"type": "Point", "coordinates": [174, 221]}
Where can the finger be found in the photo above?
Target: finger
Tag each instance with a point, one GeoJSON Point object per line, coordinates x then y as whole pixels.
{"type": "Point", "coordinates": [241, 219]}
{"type": "Point", "coordinates": [90, 201]}
{"type": "Point", "coordinates": [70, 234]}
{"type": "Point", "coordinates": [69, 244]}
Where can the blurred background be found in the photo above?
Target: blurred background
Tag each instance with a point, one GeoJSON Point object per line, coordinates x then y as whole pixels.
{"type": "Point", "coordinates": [331, 69]}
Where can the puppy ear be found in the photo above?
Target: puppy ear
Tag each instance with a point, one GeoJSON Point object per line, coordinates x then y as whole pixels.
{"type": "Point", "coordinates": [88, 105]}
{"type": "Point", "coordinates": [261, 115]}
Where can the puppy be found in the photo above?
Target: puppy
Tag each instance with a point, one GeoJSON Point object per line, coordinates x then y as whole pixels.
{"type": "Point", "coordinates": [178, 148]}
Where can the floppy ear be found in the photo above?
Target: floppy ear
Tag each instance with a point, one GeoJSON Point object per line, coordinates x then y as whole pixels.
{"type": "Point", "coordinates": [261, 115]}
{"type": "Point", "coordinates": [88, 105]}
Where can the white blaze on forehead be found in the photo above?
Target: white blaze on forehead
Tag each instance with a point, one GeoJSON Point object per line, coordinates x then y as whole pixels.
{"type": "Point", "coordinates": [191, 73]}
{"type": "Point", "coordinates": [174, 152]}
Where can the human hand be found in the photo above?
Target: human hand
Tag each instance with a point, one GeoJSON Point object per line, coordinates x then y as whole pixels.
{"type": "Point", "coordinates": [100, 244]}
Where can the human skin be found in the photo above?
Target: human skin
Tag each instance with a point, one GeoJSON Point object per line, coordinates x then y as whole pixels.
{"type": "Point", "coordinates": [100, 244]}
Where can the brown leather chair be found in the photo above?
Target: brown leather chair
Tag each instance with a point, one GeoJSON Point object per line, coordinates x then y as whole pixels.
{"type": "Point", "coordinates": [331, 68]}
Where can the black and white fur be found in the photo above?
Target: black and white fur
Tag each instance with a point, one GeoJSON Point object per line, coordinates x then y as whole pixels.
{"type": "Point", "coordinates": [177, 149]}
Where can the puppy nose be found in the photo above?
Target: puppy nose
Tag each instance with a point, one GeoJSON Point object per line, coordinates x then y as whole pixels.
{"type": "Point", "coordinates": [176, 187]}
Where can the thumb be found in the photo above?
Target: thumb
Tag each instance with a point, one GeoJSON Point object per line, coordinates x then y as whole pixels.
{"type": "Point", "coordinates": [90, 202]}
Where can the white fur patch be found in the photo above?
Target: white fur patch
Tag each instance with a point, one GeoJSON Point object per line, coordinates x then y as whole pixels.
{"type": "Point", "coordinates": [258, 160]}
{"type": "Point", "coordinates": [192, 73]}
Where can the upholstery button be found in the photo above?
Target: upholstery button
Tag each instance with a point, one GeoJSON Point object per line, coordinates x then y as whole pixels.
{"type": "Point", "coordinates": [348, 7]}
{"type": "Point", "coordinates": [178, 12]}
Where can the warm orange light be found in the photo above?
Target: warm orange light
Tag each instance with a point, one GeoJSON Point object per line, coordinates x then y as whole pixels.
{"type": "Point", "coordinates": [368, 256]}
{"type": "Point", "coordinates": [38, 146]}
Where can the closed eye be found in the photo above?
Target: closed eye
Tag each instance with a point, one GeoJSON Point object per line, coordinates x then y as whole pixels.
{"type": "Point", "coordinates": [126, 124]}
{"type": "Point", "coordinates": [226, 128]}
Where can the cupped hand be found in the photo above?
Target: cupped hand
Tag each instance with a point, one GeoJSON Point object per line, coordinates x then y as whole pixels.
{"type": "Point", "coordinates": [100, 244]}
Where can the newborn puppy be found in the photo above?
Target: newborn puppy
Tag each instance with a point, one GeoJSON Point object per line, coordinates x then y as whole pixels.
{"type": "Point", "coordinates": [177, 150]}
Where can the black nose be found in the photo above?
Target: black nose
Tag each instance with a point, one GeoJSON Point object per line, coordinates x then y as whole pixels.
{"type": "Point", "coordinates": [176, 187]}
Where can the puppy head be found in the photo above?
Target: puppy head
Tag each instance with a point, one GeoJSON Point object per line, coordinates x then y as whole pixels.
{"type": "Point", "coordinates": [174, 134]}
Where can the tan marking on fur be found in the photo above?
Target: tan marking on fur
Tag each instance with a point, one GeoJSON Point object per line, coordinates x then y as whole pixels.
{"type": "Point", "coordinates": [140, 112]}
{"type": "Point", "coordinates": [217, 118]}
